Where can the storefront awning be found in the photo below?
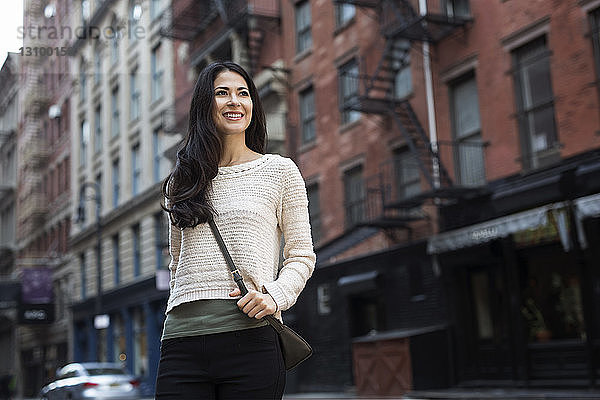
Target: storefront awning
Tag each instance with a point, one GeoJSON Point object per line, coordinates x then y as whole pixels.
{"type": "Point", "coordinates": [487, 231]}
{"type": "Point", "coordinates": [586, 207]}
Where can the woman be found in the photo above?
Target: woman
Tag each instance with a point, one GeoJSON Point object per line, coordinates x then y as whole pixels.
{"type": "Point", "coordinates": [214, 343]}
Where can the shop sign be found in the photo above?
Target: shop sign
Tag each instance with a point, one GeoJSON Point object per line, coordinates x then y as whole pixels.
{"type": "Point", "coordinates": [37, 285]}
{"type": "Point", "coordinates": [36, 314]}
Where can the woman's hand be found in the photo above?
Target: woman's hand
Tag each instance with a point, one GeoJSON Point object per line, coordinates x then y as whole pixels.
{"type": "Point", "coordinates": [255, 304]}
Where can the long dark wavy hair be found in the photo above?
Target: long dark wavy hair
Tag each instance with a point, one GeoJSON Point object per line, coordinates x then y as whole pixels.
{"type": "Point", "coordinates": [187, 186]}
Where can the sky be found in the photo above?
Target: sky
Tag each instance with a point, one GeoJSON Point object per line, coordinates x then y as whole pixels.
{"type": "Point", "coordinates": [11, 17]}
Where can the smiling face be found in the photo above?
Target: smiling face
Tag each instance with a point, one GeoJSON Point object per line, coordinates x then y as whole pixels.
{"type": "Point", "coordinates": [232, 111]}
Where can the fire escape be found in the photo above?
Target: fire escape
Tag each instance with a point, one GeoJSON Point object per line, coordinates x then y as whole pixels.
{"type": "Point", "coordinates": [386, 204]}
{"type": "Point", "coordinates": [206, 26]}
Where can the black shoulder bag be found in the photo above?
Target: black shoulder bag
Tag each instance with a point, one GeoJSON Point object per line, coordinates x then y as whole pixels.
{"type": "Point", "coordinates": [294, 348]}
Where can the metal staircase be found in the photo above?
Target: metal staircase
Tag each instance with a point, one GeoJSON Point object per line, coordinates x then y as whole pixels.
{"type": "Point", "coordinates": [400, 26]}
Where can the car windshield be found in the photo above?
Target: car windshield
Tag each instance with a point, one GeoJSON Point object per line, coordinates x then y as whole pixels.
{"type": "Point", "coordinates": [104, 371]}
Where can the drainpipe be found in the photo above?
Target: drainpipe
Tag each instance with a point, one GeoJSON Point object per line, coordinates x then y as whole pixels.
{"type": "Point", "coordinates": [430, 104]}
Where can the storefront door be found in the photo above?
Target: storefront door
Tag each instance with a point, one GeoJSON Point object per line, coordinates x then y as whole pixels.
{"type": "Point", "coordinates": [482, 329]}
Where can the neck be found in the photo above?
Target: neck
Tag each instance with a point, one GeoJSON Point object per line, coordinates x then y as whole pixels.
{"type": "Point", "coordinates": [235, 149]}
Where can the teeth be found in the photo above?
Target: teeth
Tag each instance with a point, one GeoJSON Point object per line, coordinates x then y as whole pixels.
{"type": "Point", "coordinates": [233, 115]}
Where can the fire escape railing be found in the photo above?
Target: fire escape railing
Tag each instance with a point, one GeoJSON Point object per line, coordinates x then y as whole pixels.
{"type": "Point", "coordinates": [375, 94]}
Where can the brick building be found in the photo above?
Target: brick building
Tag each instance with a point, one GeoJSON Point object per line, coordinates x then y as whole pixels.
{"type": "Point", "coordinates": [451, 155]}
{"type": "Point", "coordinates": [9, 122]}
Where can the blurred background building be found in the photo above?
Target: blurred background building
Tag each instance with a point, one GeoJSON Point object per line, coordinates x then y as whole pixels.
{"type": "Point", "coordinates": [452, 160]}
{"type": "Point", "coordinates": [9, 281]}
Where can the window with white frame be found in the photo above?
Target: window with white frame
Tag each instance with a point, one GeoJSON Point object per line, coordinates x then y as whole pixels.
{"type": "Point", "coordinates": [303, 26]}
{"type": "Point", "coordinates": [137, 251]}
{"type": "Point", "coordinates": [403, 78]}
{"type": "Point", "coordinates": [134, 91]}
{"type": "Point", "coordinates": [354, 195]}
{"type": "Point", "coordinates": [84, 138]}
{"type": "Point", "coordinates": [98, 129]}
{"type": "Point", "coordinates": [115, 113]}
{"type": "Point", "coordinates": [535, 103]}
{"type": "Point", "coordinates": [157, 73]}
{"type": "Point", "coordinates": [82, 80]}
{"type": "Point", "coordinates": [348, 90]}
{"type": "Point", "coordinates": [97, 65]}
{"type": "Point", "coordinates": [344, 13]}
{"type": "Point", "coordinates": [307, 114]}
{"type": "Point", "coordinates": [136, 172]}
{"type": "Point", "coordinates": [456, 8]}
{"type": "Point", "coordinates": [466, 127]}
{"type": "Point", "coordinates": [116, 182]}
{"type": "Point", "coordinates": [406, 173]}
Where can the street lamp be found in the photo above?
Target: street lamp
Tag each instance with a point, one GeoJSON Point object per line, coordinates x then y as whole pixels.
{"type": "Point", "coordinates": [81, 219]}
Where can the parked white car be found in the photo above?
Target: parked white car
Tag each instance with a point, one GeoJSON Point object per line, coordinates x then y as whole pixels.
{"type": "Point", "coordinates": [79, 381]}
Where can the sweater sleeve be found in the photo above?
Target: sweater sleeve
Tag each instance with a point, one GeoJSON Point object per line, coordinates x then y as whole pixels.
{"type": "Point", "coordinates": [299, 256]}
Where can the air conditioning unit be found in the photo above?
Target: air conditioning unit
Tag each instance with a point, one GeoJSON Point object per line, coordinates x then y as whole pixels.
{"type": "Point", "coordinates": [54, 111]}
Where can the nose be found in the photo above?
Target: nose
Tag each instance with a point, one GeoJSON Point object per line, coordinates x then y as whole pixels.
{"type": "Point", "coordinates": [233, 100]}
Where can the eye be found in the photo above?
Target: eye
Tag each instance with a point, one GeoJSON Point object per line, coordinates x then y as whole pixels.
{"type": "Point", "coordinates": [244, 93]}
{"type": "Point", "coordinates": [221, 92]}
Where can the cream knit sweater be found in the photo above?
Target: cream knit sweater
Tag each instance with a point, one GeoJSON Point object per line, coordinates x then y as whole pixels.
{"type": "Point", "coordinates": [255, 202]}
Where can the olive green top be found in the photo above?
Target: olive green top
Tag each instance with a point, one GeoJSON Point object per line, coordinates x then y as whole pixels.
{"type": "Point", "coordinates": [203, 317]}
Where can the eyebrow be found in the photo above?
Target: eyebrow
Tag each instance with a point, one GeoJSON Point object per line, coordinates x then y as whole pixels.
{"type": "Point", "coordinates": [226, 88]}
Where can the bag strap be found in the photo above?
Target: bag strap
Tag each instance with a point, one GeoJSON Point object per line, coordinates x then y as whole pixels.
{"type": "Point", "coordinates": [237, 276]}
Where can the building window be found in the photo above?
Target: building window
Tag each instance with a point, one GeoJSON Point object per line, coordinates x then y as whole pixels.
{"type": "Point", "coordinates": [161, 241]}
{"type": "Point", "coordinates": [82, 81]}
{"type": "Point", "coordinates": [595, 24]}
{"type": "Point", "coordinates": [157, 73]}
{"type": "Point", "coordinates": [323, 299]}
{"type": "Point", "coordinates": [134, 90]}
{"type": "Point", "coordinates": [135, 169]}
{"type": "Point", "coordinates": [344, 14]}
{"type": "Point", "coordinates": [157, 151]}
{"type": "Point", "coordinates": [114, 41]}
{"type": "Point", "coordinates": [535, 103]}
{"type": "Point", "coordinates": [403, 78]}
{"type": "Point", "coordinates": [137, 254]}
{"type": "Point", "coordinates": [97, 65]}
{"type": "Point", "coordinates": [98, 129]}
{"type": "Point", "coordinates": [307, 114]}
{"type": "Point", "coordinates": [303, 22]}
{"type": "Point", "coordinates": [348, 90]}
{"type": "Point", "coordinates": [99, 181]}
{"type": "Point", "coordinates": [116, 184]}
{"type": "Point", "coordinates": [82, 271]}
{"type": "Point", "coordinates": [456, 8]}
{"type": "Point", "coordinates": [466, 126]}
{"type": "Point", "coordinates": [116, 259]}
{"type": "Point", "coordinates": [155, 8]}
{"type": "Point", "coordinates": [84, 138]}
{"type": "Point", "coordinates": [314, 211]}
{"type": "Point", "coordinates": [85, 12]}
{"type": "Point", "coordinates": [135, 14]}
{"type": "Point", "coordinates": [114, 105]}
{"type": "Point", "coordinates": [354, 194]}
{"type": "Point", "coordinates": [406, 173]}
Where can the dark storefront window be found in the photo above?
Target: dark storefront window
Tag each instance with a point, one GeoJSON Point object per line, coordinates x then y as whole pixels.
{"type": "Point", "coordinates": [367, 314]}
{"type": "Point", "coordinates": [551, 303]}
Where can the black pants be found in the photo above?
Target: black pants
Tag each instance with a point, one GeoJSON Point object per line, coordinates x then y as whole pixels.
{"type": "Point", "coordinates": [244, 364]}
